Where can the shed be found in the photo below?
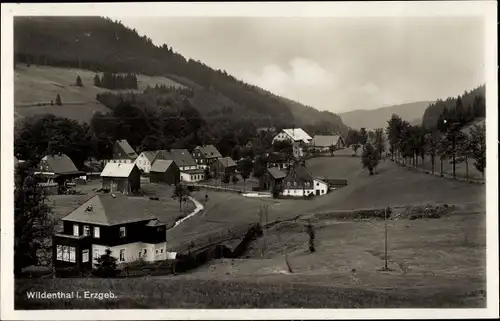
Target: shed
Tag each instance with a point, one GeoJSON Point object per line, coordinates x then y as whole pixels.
{"type": "Point", "coordinates": [121, 177]}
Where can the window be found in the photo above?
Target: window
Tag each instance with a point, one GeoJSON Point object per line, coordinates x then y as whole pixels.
{"type": "Point", "coordinates": [145, 251]}
{"type": "Point", "coordinates": [317, 184]}
{"type": "Point", "coordinates": [86, 230]}
{"type": "Point", "coordinates": [140, 254]}
{"type": "Point", "coordinates": [59, 252]}
{"type": "Point", "coordinates": [85, 256]}
{"type": "Point", "coordinates": [76, 231]}
{"type": "Point", "coordinates": [122, 231]}
{"type": "Point", "coordinates": [294, 183]}
{"type": "Point", "coordinates": [72, 254]}
{"type": "Point", "coordinates": [96, 254]}
{"type": "Point", "coordinates": [161, 250]}
{"type": "Point", "coordinates": [122, 255]}
{"type": "Point", "coordinates": [97, 232]}
{"type": "Point", "coordinates": [156, 251]}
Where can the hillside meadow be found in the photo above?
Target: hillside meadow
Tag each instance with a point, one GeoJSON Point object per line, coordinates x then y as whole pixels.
{"type": "Point", "coordinates": [36, 86]}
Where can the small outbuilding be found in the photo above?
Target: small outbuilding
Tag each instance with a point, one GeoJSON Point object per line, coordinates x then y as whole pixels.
{"type": "Point", "coordinates": [164, 171]}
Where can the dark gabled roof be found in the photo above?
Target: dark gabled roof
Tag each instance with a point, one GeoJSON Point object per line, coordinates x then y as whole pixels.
{"type": "Point", "coordinates": [227, 162]}
{"type": "Point", "coordinates": [209, 151]}
{"type": "Point", "coordinates": [161, 165]}
{"type": "Point", "coordinates": [61, 164]}
{"type": "Point", "coordinates": [150, 155]}
{"type": "Point", "coordinates": [181, 157]}
{"type": "Point", "coordinates": [299, 174]}
{"type": "Point", "coordinates": [276, 173]}
{"type": "Point", "coordinates": [107, 210]}
{"type": "Point", "coordinates": [127, 149]}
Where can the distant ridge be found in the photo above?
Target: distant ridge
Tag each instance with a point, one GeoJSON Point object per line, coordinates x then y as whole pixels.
{"type": "Point", "coordinates": [377, 118]}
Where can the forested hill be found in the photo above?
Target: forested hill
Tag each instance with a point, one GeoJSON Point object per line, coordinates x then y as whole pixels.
{"type": "Point", "coordinates": [472, 105]}
{"type": "Point", "coordinates": [100, 44]}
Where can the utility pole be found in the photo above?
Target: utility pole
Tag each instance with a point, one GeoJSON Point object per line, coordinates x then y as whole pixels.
{"type": "Point", "coordinates": [385, 249]}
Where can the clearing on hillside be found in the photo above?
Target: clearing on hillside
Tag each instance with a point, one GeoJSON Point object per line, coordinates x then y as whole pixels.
{"type": "Point", "coordinates": [36, 86]}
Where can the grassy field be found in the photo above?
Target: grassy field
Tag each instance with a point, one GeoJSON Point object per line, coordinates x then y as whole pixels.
{"type": "Point", "coordinates": [434, 263]}
{"type": "Point", "coordinates": [40, 84]}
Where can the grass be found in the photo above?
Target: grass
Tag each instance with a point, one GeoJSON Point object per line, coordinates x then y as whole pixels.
{"type": "Point", "coordinates": [434, 263]}
{"type": "Point", "coordinates": [40, 84]}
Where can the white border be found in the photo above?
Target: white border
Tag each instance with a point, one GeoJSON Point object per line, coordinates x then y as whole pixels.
{"type": "Point", "coordinates": [487, 9]}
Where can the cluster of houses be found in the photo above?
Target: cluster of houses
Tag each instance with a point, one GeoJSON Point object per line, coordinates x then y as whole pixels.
{"type": "Point", "coordinates": [123, 172]}
{"type": "Point", "coordinates": [132, 232]}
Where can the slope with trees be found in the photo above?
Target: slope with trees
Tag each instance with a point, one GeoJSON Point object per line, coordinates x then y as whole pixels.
{"type": "Point", "coordinates": [104, 45]}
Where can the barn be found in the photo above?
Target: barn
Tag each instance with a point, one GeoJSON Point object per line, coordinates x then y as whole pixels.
{"type": "Point", "coordinates": [164, 171]}
{"type": "Point", "coordinates": [121, 177]}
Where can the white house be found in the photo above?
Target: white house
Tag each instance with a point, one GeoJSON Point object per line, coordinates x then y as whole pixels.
{"type": "Point", "coordinates": [297, 136]}
{"type": "Point", "coordinates": [122, 153]}
{"type": "Point", "coordinates": [299, 182]}
{"type": "Point", "coordinates": [192, 175]}
{"type": "Point", "coordinates": [145, 160]}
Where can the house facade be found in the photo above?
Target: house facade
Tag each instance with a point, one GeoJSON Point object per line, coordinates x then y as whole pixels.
{"type": "Point", "coordinates": [122, 153]}
{"type": "Point", "coordinates": [273, 178]}
{"type": "Point", "coordinates": [299, 182]}
{"type": "Point", "coordinates": [121, 177]}
{"type": "Point", "coordinates": [164, 171]}
{"type": "Point", "coordinates": [109, 222]}
{"type": "Point", "coordinates": [298, 137]}
{"type": "Point", "coordinates": [193, 175]}
{"type": "Point", "coordinates": [189, 171]}
{"type": "Point", "coordinates": [205, 156]}
{"type": "Point", "coordinates": [223, 166]}
{"type": "Point", "coordinates": [322, 143]}
{"type": "Point", "coordinates": [56, 169]}
{"type": "Point", "coordinates": [145, 160]}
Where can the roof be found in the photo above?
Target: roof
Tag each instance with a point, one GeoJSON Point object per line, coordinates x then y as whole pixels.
{"type": "Point", "coordinates": [299, 174]}
{"type": "Point", "coordinates": [325, 140]}
{"type": "Point", "coordinates": [150, 155]}
{"type": "Point", "coordinates": [209, 151]}
{"type": "Point", "coordinates": [104, 209]}
{"type": "Point", "coordinates": [297, 134]}
{"type": "Point", "coordinates": [117, 170]}
{"type": "Point", "coordinates": [276, 173]}
{"type": "Point", "coordinates": [60, 164]}
{"type": "Point", "coordinates": [226, 162]}
{"type": "Point", "coordinates": [161, 165]}
{"type": "Point", "coordinates": [181, 157]}
{"type": "Point", "coordinates": [127, 149]}
{"type": "Point", "coordinates": [155, 223]}
{"type": "Point", "coordinates": [193, 171]}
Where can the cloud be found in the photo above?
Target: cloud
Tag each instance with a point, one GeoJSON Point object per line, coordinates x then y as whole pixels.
{"type": "Point", "coordinates": [301, 74]}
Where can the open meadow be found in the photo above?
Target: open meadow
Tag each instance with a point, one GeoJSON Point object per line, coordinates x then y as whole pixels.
{"type": "Point", "coordinates": [436, 263]}
{"type": "Point", "coordinates": [36, 86]}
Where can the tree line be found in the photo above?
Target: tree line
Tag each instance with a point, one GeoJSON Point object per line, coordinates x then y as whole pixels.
{"type": "Point", "coordinates": [114, 81]}
{"type": "Point", "coordinates": [411, 144]}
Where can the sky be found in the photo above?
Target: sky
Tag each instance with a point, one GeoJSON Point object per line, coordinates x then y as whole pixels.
{"type": "Point", "coordinates": [336, 64]}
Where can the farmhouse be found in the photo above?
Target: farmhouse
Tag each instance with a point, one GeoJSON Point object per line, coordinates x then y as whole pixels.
{"type": "Point", "coordinates": [57, 169]}
{"type": "Point", "coordinates": [121, 177]}
{"type": "Point", "coordinates": [189, 171]}
{"type": "Point", "coordinates": [297, 136]}
{"type": "Point", "coordinates": [118, 223]}
{"type": "Point", "coordinates": [123, 153]}
{"type": "Point", "coordinates": [322, 143]}
{"type": "Point", "coordinates": [164, 171]}
{"type": "Point", "coordinates": [206, 155]}
{"type": "Point", "coordinates": [223, 166]}
{"type": "Point", "coordinates": [300, 182]}
{"type": "Point", "coordinates": [145, 160]}
{"type": "Point", "coordinates": [272, 179]}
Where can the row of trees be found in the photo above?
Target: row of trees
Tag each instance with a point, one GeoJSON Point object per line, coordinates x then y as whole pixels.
{"type": "Point", "coordinates": [410, 143]}
{"type": "Point", "coordinates": [114, 81]}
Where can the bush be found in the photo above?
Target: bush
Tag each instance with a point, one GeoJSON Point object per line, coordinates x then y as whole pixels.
{"type": "Point", "coordinates": [106, 266]}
